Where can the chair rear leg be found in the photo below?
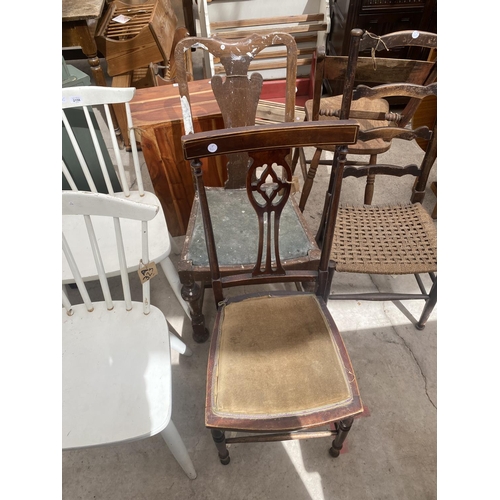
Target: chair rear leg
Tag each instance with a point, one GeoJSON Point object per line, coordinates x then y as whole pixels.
{"type": "Point", "coordinates": [308, 183]}
{"type": "Point", "coordinates": [192, 293]}
{"type": "Point", "coordinates": [343, 428]}
{"type": "Point", "coordinates": [178, 449]}
{"type": "Point", "coordinates": [219, 438]}
{"type": "Point", "coordinates": [428, 307]}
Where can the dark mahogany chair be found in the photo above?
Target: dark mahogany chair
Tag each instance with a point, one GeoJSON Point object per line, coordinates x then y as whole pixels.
{"type": "Point", "coordinates": [394, 238]}
{"type": "Point", "coordinates": [277, 365]}
{"type": "Point", "coordinates": [332, 72]}
{"type": "Point", "coordinates": [237, 93]}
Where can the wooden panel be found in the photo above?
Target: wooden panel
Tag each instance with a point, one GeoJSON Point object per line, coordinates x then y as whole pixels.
{"type": "Point", "coordinates": [157, 116]}
{"type": "Point", "coordinates": [307, 20]}
{"type": "Point", "coordinates": [146, 38]}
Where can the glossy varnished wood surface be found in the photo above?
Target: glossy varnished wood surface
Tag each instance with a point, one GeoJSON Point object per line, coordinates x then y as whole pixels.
{"type": "Point", "coordinates": [157, 116]}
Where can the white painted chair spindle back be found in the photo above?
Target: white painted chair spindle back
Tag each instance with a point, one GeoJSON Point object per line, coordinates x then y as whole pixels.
{"type": "Point", "coordinates": [88, 204]}
{"type": "Point", "coordinates": [86, 98]}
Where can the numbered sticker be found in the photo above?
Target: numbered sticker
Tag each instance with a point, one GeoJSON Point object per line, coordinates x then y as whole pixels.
{"type": "Point", "coordinates": [212, 147]}
{"type": "Point", "coordinates": [415, 34]}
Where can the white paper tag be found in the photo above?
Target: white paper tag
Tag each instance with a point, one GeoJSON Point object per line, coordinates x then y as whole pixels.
{"type": "Point", "coordinates": [415, 34]}
{"type": "Point", "coordinates": [121, 19]}
{"type": "Point", "coordinates": [212, 147]}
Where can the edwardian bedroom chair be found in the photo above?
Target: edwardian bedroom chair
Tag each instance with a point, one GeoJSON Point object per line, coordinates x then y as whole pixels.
{"type": "Point", "coordinates": [277, 365]}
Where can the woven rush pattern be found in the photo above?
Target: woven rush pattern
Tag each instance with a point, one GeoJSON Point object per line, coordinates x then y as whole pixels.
{"type": "Point", "coordinates": [385, 240]}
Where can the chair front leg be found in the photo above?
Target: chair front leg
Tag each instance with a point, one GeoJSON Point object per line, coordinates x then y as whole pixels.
{"type": "Point", "coordinates": [219, 438]}
{"type": "Point", "coordinates": [370, 183]}
{"type": "Point", "coordinates": [343, 428]}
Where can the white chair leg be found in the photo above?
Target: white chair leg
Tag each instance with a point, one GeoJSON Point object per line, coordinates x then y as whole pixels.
{"type": "Point", "coordinates": [173, 245]}
{"type": "Point", "coordinates": [173, 278]}
{"type": "Point", "coordinates": [177, 344]}
{"type": "Point", "coordinates": [178, 449]}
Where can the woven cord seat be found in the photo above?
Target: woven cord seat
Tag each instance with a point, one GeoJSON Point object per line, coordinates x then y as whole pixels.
{"type": "Point", "coordinates": [399, 239]}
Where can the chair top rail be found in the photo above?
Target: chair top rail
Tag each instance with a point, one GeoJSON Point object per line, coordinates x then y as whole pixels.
{"type": "Point", "coordinates": [398, 39]}
{"type": "Point", "coordinates": [267, 137]}
{"type": "Point", "coordinates": [87, 203]}
{"type": "Point", "coordinates": [74, 97]}
{"type": "Point", "coordinates": [395, 89]}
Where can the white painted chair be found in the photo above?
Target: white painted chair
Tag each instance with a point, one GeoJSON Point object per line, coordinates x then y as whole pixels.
{"type": "Point", "coordinates": [117, 180]}
{"type": "Point", "coordinates": [116, 366]}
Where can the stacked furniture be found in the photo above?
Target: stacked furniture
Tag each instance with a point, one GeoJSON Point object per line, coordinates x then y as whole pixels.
{"type": "Point", "coordinates": [131, 37]}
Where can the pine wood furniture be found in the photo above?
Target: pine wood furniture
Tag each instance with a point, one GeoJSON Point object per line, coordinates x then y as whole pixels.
{"type": "Point", "coordinates": [146, 37]}
{"type": "Point", "coordinates": [306, 20]}
{"type": "Point", "coordinates": [77, 17]}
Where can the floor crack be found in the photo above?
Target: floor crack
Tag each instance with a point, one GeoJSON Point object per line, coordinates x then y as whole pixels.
{"type": "Point", "coordinates": [419, 367]}
{"type": "Point", "coordinates": [411, 352]}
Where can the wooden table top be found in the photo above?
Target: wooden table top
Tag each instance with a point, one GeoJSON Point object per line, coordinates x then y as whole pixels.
{"type": "Point", "coordinates": [154, 106]}
{"type": "Point", "coordinates": [77, 10]}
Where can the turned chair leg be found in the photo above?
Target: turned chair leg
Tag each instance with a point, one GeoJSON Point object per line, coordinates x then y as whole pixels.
{"type": "Point", "coordinates": [343, 428]}
{"type": "Point", "coordinates": [192, 293]}
{"type": "Point", "coordinates": [219, 438]}
{"type": "Point", "coordinates": [370, 183]}
{"type": "Point", "coordinates": [308, 183]}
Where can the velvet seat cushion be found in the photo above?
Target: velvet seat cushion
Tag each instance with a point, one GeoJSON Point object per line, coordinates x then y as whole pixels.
{"type": "Point", "coordinates": [277, 356]}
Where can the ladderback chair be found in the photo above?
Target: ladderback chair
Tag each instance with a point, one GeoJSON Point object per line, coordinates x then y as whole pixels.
{"type": "Point", "coordinates": [277, 365]}
{"type": "Point", "coordinates": [116, 367]}
{"type": "Point", "coordinates": [114, 177]}
{"type": "Point", "coordinates": [237, 93]}
{"type": "Point", "coordinates": [331, 71]}
{"type": "Point", "coordinates": [394, 238]}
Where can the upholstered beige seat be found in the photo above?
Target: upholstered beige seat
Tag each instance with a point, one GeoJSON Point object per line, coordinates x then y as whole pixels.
{"type": "Point", "coordinates": [282, 361]}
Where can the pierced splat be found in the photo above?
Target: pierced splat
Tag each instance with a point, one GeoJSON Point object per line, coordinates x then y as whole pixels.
{"type": "Point", "coordinates": [268, 192]}
{"type": "Point", "coordinates": [237, 93]}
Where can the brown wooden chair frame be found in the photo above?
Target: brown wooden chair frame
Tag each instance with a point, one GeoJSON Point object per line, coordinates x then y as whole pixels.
{"type": "Point", "coordinates": [415, 93]}
{"type": "Point", "coordinates": [238, 96]}
{"type": "Point", "coordinates": [268, 146]}
{"type": "Point", "coordinates": [332, 70]}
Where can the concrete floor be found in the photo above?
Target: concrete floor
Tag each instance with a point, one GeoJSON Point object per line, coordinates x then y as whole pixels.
{"type": "Point", "coordinates": [391, 452]}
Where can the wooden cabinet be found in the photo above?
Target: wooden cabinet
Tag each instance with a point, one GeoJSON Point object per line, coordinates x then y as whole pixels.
{"type": "Point", "coordinates": [380, 17]}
